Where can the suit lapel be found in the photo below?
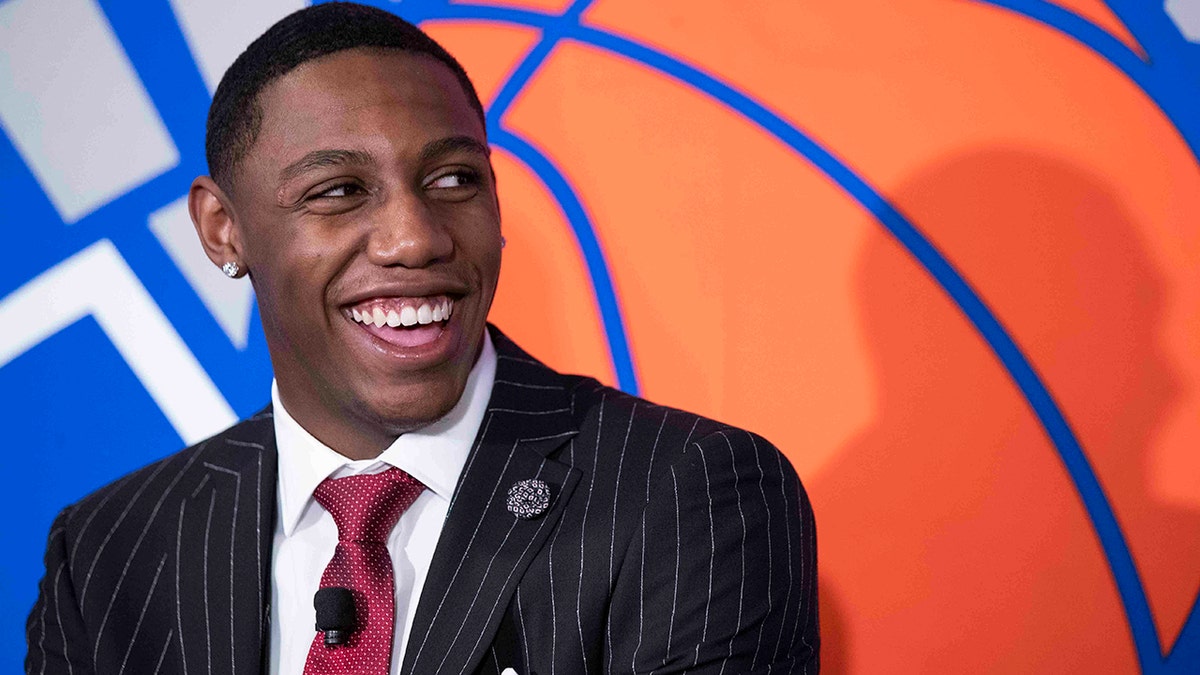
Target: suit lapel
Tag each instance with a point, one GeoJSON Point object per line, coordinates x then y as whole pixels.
{"type": "Point", "coordinates": [484, 549]}
{"type": "Point", "coordinates": [223, 548]}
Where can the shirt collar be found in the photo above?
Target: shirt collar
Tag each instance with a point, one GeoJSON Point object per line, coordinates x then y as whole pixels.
{"type": "Point", "coordinates": [434, 455]}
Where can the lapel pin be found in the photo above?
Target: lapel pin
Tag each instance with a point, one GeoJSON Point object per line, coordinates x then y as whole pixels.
{"type": "Point", "coordinates": [529, 498]}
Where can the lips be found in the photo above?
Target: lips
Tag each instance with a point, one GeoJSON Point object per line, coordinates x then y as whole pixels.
{"type": "Point", "coordinates": [404, 322]}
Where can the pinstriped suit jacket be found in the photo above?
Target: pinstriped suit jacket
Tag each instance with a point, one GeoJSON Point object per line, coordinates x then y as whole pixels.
{"type": "Point", "coordinates": [673, 544]}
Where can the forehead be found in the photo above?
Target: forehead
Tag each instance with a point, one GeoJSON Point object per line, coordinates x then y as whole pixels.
{"type": "Point", "coordinates": [363, 96]}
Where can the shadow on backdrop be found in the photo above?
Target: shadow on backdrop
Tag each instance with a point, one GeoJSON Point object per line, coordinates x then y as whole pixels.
{"type": "Point", "coordinates": [953, 539]}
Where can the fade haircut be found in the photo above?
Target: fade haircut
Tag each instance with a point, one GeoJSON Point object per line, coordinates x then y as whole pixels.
{"type": "Point", "coordinates": [235, 116]}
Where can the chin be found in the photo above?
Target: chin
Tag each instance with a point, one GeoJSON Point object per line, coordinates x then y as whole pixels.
{"type": "Point", "coordinates": [413, 407]}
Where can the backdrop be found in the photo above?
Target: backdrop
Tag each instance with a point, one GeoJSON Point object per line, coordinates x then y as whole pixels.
{"type": "Point", "coordinates": [944, 254]}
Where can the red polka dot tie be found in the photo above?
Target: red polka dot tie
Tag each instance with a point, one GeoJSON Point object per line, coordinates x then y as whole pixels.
{"type": "Point", "coordinates": [365, 508]}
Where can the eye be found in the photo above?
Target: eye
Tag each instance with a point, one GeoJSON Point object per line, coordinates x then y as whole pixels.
{"type": "Point", "coordinates": [334, 197]}
{"type": "Point", "coordinates": [341, 190]}
{"type": "Point", "coordinates": [454, 184]}
{"type": "Point", "coordinates": [451, 180]}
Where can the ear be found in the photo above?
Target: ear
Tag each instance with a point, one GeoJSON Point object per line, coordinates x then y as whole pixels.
{"type": "Point", "coordinates": [213, 216]}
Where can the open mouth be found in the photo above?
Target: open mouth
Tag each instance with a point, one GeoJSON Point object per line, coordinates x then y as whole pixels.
{"type": "Point", "coordinates": [404, 322]}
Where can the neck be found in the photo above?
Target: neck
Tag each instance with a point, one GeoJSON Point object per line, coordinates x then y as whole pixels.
{"type": "Point", "coordinates": [347, 434]}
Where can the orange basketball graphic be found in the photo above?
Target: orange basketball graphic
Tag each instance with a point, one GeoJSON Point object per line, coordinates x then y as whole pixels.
{"type": "Point", "coordinates": [941, 389]}
{"type": "Point", "coordinates": [943, 254]}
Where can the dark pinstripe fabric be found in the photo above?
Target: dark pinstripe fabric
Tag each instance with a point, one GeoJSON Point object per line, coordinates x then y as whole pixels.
{"type": "Point", "coordinates": [165, 569]}
{"type": "Point", "coordinates": [673, 544]}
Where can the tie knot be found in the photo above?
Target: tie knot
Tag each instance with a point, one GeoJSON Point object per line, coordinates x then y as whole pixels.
{"type": "Point", "coordinates": [367, 506]}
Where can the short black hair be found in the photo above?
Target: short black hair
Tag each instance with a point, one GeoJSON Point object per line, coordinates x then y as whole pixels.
{"type": "Point", "coordinates": [234, 118]}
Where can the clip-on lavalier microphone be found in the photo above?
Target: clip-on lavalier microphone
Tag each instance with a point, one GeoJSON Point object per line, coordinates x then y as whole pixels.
{"type": "Point", "coordinates": [336, 616]}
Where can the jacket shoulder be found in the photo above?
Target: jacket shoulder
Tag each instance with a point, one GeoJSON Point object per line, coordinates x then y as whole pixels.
{"type": "Point", "coordinates": [590, 399]}
{"type": "Point", "coordinates": [122, 498]}
{"type": "Point", "coordinates": [631, 450]}
{"type": "Point", "coordinates": [107, 552]}
{"type": "Point", "coordinates": [623, 426]}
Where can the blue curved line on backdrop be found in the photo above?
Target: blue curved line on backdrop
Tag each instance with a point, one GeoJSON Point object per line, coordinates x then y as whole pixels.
{"type": "Point", "coordinates": [1185, 655]}
{"type": "Point", "coordinates": [1167, 48]}
{"type": "Point", "coordinates": [585, 234]}
{"type": "Point", "coordinates": [1168, 86]}
{"type": "Point", "coordinates": [1166, 79]}
{"type": "Point", "coordinates": [1010, 355]}
{"type": "Point", "coordinates": [551, 34]}
{"type": "Point", "coordinates": [565, 194]}
{"type": "Point", "coordinates": [1034, 390]}
{"type": "Point", "coordinates": [554, 179]}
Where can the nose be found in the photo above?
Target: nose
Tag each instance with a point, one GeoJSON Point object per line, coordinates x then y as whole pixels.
{"type": "Point", "coordinates": [406, 233]}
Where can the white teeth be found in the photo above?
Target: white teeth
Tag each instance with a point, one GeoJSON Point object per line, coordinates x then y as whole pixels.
{"type": "Point", "coordinates": [408, 316]}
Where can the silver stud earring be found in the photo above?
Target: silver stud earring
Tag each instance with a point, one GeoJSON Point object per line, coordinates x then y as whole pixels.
{"type": "Point", "coordinates": [503, 242]}
{"type": "Point", "coordinates": [231, 269]}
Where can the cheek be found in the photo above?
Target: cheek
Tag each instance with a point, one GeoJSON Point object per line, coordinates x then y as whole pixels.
{"type": "Point", "coordinates": [487, 260]}
{"type": "Point", "coordinates": [483, 244]}
{"type": "Point", "coordinates": [296, 267]}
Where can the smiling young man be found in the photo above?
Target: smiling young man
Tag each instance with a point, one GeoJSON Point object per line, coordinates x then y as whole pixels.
{"type": "Point", "coordinates": [366, 214]}
{"type": "Point", "coordinates": [542, 522]}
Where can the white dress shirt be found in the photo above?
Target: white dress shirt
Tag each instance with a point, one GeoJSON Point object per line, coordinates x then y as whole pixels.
{"type": "Point", "coordinates": [305, 534]}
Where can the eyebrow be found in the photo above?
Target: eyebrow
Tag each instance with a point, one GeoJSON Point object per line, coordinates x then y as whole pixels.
{"type": "Point", "coordinates": [451, 144]}
{"type": "Point", "coordinates": [322, 158]}
{"type": "Point", "coordinates": [432, 150]}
